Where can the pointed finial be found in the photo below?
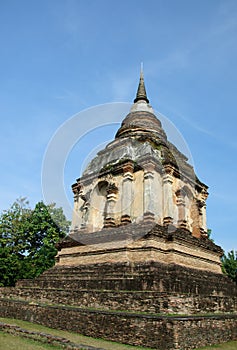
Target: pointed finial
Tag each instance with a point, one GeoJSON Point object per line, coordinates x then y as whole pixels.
{"type": "Point", "coordinates": [141, 91]}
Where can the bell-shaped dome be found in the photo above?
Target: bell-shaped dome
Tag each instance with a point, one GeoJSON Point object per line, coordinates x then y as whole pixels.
{"type": "Point", "coordinates": [141, 120]}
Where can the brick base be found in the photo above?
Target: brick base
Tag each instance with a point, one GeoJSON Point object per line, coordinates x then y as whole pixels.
{"type": "Point", "coordinates": [158, 332]}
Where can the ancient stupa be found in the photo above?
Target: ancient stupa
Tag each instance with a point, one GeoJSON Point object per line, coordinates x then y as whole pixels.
{"type": "Point", "coordinates": [140, 180]}
{"type": "Point", "coordinates": [138, 266]}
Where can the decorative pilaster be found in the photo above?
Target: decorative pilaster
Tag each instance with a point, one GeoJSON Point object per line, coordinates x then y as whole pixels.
{"type": "Point", "coordinates": [149, 194]}
{"type": "Point", "coordinates": [168, 198]}
{"type": "Point", "coordinates": [127, 193]}
{"type": "Point", "coordinates": [84, 208]}
{"type": "Point", "coordinates": [111, 200]}
{"type": "Point", "coordinates": [182, 222]}
{"type": "Point", "coordinates": [76, 218]}
{"type": "Point", "coordinates": [202, 218]}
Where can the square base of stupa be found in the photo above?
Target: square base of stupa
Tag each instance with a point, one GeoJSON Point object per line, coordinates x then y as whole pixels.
{"type": "Point", "coordinates": [135, 243]}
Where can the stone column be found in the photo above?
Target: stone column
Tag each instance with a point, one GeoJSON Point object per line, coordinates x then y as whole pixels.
{"type": "Point", "coordinates": [202, 218]}
{"type": "Point", "coordinates": [84, 208]}
{"type": "Point", "coordinates": [127, 193]}
{"type": "Point", "coordinates": [149, 193]}
{"type": "Point", "coordinates": [110, 204]}
{"type": "Point", "coordinates": [182, 222]}
{"type": "Point", "coordinates": [167, 198]}
{"type": "Point", "coordinates": [76, 218]}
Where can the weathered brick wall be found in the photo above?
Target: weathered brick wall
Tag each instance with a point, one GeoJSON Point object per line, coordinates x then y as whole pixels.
{"type": "Point", "coordinates": [149, 287]}
{"type": "Point", "coordinates": [139, 301]}
{"type": "Point", "coordinates": [209, 330]}
{"type": "Point", "coordinates": [143, 276]}
{"type": "Point", "coordinates": [146, 243]}
{"type": "Point", "coordinates": [164, 333]}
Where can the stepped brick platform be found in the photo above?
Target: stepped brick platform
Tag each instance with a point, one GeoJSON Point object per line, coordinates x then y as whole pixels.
{"type": "Point", "coordinates": [155, 332]}
{"type": "Point", "coordinates": [132, 301]}
{"type": "Point", "coordinates": [135, 243]}
{"type": "Point", "coordinates": [147, 276]}
{"type": "Point", "coordinates": [104, 300]}
{"type": "Point", "coordinates": [147, 287]}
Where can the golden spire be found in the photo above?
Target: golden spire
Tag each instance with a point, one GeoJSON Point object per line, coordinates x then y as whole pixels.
{"type": "Point", "coordinates": [141, 91]}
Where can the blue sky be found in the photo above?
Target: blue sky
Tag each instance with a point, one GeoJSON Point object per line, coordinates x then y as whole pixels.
{"type": "Point", "coordinates": [60, 57]}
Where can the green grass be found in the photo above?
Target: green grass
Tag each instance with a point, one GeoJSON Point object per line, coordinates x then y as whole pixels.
{"type": "Point", "coordinates": [10, 342]}
{"type": "Point", "coordinates": [225, 346]}
{"type": "Point", "coordinates": [73, 337]}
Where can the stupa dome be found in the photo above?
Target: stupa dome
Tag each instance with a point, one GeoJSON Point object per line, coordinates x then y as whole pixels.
{"type": "Point", "coordinates": [141, 120]}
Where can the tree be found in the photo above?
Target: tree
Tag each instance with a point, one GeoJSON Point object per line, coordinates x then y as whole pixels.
{"type": "Point", "coordinates": [43, 233]}
{"type": "Point", "coordinates": [229, 265]}
{"type": "Point", "coordinates": [12, 241]}
{"type": "Point", "coordinates": [28, 238]}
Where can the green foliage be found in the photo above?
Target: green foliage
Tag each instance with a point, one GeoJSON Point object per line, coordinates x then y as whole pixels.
{"type": "Point", "coordinates": [28, 238]}
{"type": "Point", "coordinates": [229, 265]}
{"type": "Point", "coordinates": [209, 232]}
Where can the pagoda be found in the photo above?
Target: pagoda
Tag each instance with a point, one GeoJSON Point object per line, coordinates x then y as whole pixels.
{"type": "Point", "coordinates": [138, 184]}
{"type": "Point", "coordinates": [137, 267]}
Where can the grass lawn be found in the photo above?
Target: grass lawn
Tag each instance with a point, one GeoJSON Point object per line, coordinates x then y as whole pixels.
{"type": "Point", "coordinates": [73, 337]}
{"type": "Point", "coordinates": [225, 346]}
{"type": "Point", "coordinates": [11, 342]}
